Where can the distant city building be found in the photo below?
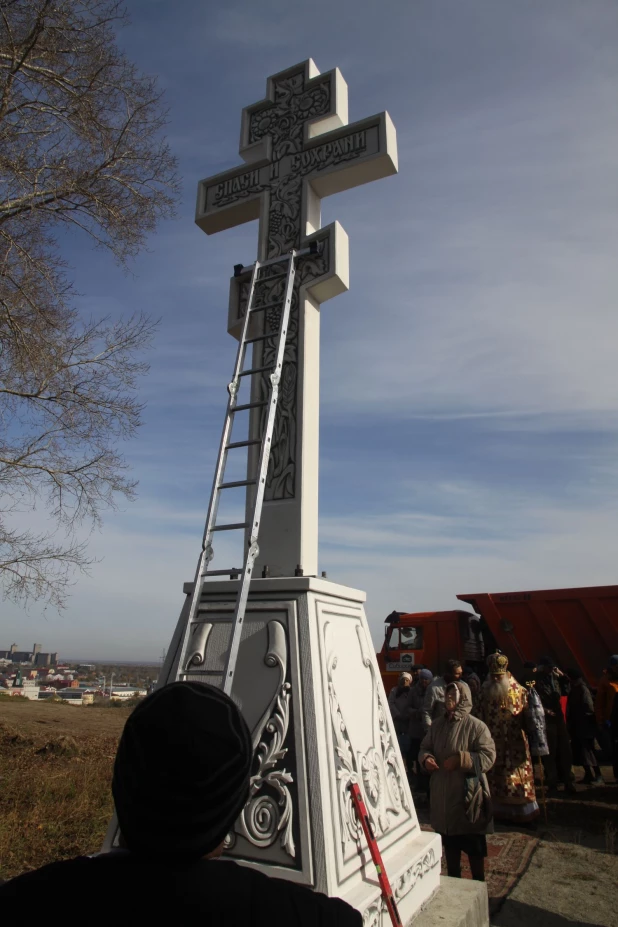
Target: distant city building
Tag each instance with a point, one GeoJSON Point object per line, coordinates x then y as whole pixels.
{"type": "Point", "coordinates": [35, 656]}
{"type": "Point", "coordinates": [72, 696]}
{"type": "Point", "coordinates": [128, 692]}
{"type": "Point", "coordinates": [27, 691]}
{"type": "Point", "coordinates": [46, 659]}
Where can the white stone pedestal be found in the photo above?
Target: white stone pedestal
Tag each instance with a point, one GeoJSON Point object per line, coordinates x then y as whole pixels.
{"type": "Point", "coordinates": [309, 688]}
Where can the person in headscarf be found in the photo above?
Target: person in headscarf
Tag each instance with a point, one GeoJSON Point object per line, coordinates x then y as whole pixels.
{"type": "Point", "coordinates": [551, 684]}
{"type": "Point", "coordinates": [582, 728]}
{"type": "Point", "coordinates": [433, 706]}
{"type": "Point", "coordinates": [416, 700]}
{"type": "Point", "coordinates": [455, 747]}
{"type": "Point", "coordinates": [503, 708]}
{"type": "Point", "coordinates": [181, 778]}
{"type": "Point", "coordinates": [398, 702]}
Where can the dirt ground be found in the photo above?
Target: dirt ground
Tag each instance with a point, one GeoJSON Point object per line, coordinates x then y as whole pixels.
{"type": "Point", "coordinates": [32, 718]}
{"type": "Point", "coordinates": [572, 877]}
{"type": "Point", "coordinates": [565, 884]}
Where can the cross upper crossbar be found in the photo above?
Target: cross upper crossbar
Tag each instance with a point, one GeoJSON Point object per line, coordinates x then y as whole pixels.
{"type": "Point", "coordinates": [297, 136]}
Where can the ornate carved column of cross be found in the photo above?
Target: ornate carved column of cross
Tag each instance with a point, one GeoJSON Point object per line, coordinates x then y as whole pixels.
{"type": "Point", "coordinates": [299, 148]}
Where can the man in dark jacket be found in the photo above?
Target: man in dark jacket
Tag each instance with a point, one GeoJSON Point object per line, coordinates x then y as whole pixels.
{"type": "Point", "coordinates": [613, 728]}
{"type": "Point", "coordinates": [582, 728]}
{"type": "Point", "coordinates": [551, 684]}
{"type": "Point", "coordinates": [181, 778]}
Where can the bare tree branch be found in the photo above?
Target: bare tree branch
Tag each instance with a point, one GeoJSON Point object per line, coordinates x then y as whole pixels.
{"type": "Point", "coordinates": [80, 143]}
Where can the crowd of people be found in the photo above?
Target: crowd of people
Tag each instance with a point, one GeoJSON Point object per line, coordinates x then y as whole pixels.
{"type": "Point", "coordinates": [471, 745]}
{"type": "Point", "coordinates": [182, 776]}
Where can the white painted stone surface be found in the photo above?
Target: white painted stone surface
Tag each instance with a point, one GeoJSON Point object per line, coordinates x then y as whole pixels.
{"type": "Point", "coordinates": [298, 148]}
{"type": "Point", "coordinates": [309, 687]}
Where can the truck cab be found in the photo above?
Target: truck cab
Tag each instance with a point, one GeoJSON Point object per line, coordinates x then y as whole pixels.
{"type": "Point", "coordinates": [428, 639]}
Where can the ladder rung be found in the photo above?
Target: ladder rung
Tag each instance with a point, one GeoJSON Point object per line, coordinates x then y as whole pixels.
{"type": "Point", "coordinates": [252, 370]}
{"type": "Point", "coordinates": [314, 248]}
{"type": "Point", "coordinates": [276, 304]}
{"type": "Point", "coordinates": [271, 277]}
{"type": "Point", "coordinates": [231, 527]}
{"type": "Point", "coordinates": [236, 483]}
{"type": "Point", "coordinates": [276, 260]}
{"type": "Point", "coordinates": [266, 306]}
{"type": "Point", "coordinates": [243, 443]}
{"type": "Point", "coordinates": [261, 337]}
{"type": "Point", "coordinates": [250, 405]}
{"type": "Point", "coordinates": [233, 571]}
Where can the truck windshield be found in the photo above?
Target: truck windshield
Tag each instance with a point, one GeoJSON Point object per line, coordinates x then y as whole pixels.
{"type": "Point", "coordinates": [411, 638]}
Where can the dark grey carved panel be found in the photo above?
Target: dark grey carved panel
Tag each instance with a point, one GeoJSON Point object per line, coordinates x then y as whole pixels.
{"type": "Point", "coordinates": [268, 827]}
{"type": "Point", "coordinates": [281, 477]}
{"type": "Point", "coordinates": [284, 120]}
{"type": "Point", "coordinates": [272, 186]}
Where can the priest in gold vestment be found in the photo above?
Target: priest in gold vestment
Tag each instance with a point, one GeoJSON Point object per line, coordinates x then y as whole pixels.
{"type": "Point", "coordinates": [504, 707]}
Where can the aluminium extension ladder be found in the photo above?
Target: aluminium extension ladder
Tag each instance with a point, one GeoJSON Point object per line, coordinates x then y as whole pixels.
{"type": "Point", "coordinates": [259, 479]}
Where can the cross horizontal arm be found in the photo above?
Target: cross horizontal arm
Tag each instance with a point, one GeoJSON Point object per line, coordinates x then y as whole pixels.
{"type": "Point", "coordinates": [331, 163]}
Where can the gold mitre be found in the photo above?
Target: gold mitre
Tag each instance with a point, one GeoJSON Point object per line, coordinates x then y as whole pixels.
{"type": "Point", "coordinates": [498, 664]}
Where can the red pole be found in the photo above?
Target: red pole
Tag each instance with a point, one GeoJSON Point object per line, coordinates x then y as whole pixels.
{"type": "Point", "coordinates": [385, 885]}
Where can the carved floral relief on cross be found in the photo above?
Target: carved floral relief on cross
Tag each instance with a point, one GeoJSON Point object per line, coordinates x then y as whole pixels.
{"type": "Point", "coordinates": [298, 148]}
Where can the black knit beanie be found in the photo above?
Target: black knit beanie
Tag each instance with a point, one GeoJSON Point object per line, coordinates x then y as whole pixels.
{"type": "Point", "coordinates": [181, 775]}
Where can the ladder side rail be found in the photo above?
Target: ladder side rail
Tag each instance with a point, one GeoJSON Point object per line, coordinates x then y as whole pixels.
{"type": "Point", "coordinates": [252, 547]}
{"type": "Point", "coordinates": [207, 553]}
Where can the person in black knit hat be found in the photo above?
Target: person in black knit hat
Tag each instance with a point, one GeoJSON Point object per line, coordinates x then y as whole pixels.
{"type": "Point", "coordinates": [181, 778]}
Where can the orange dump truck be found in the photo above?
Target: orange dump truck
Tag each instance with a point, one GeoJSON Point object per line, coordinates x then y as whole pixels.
{"type": "Point", "coordinates": [577, 627]}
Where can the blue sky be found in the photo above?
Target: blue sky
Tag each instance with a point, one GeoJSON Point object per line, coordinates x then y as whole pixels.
{"type": "Point", "coordinates": [469, 404]}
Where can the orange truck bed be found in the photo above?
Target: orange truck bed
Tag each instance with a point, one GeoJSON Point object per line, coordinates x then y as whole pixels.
{"type": "Point", "coordinates": [577, 627]}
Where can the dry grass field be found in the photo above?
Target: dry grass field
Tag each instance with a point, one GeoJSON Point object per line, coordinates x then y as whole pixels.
{"type": "Point", "coordinates": [55, 774]}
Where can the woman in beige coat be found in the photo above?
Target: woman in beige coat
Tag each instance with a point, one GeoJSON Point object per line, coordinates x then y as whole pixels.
{"type": "Point", "coordinates": [447, 753]}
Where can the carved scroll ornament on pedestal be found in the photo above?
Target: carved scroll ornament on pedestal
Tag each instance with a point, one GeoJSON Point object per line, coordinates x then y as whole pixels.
{"type": "Point", "coordinates": [377, 771]}
{"type": "Point", "coordinates": [268, 813]}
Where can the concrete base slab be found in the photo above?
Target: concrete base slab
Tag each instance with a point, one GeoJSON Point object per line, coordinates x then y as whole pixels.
{"type": "Point", "coordinates": [457, 903]}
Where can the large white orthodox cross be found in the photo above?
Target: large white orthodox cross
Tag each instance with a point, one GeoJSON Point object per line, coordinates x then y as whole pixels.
{"type": "Point", "coordinates": [297, 147]}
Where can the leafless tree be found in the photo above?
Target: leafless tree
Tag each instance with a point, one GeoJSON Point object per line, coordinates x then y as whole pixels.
{"type": "Point", "coordinates": [81, 145]}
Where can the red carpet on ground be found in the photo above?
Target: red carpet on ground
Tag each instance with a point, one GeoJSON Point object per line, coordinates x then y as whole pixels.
{"type": "Point", "coordinates": [508, 858]}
